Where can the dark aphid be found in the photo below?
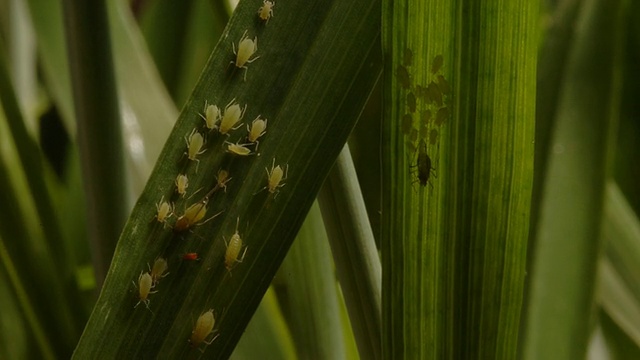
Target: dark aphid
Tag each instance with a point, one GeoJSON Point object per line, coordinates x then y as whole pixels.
{"type": "Point", "coordinates": [434, 95]}
{"type": "Point", "coordinates": [411, 102]}
{"type": "Point", "coordinates": [425, 116]}
{"type": "Point", "coordinates": [443, 84]}
{"type": "Point", "coordinates": [433, 136]}
{"type": "Point", "coordinates": [436, 65]}
{"type": "Point", "coordinates": [407, 57]}
{"type": "Point", "coordinates": [413, 135]}
{"type": "Point", "coordinates": [403, 76]}
{"type": "Point", "coordinates": [442, 115]}
{"type": "Point", "coordinates": [407, 123]}
{"type": "Point", "coordinates": [423, 164]}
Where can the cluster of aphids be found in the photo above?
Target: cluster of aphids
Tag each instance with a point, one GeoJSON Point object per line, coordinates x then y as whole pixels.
{"type": "Point", "coordinates": [426, 110]}
{"type": "Point", "coordinates": [223, 121]}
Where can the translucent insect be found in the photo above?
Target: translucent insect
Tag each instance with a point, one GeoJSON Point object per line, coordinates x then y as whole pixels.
{"type": "Point", "coordinates": [190, 256]}
{"type": "Point", "coordinates": [158, 270]}
{"type": "Point", "coordinates": [407, 123]}
{"type": "Point", "coordinates": [257, 129]}
{"type": "Point", "coordinates": [407, 57]}
{"type": "Point", "coordinates": [434, 94]}
{"type": "Point", "coordinates": [211, 116]}
{"type": "Point", "coordinates": [193, 215]}
{"type": "Point", "coordinates": [433, 136]}
{"type": "Point", "coordinates": [202, 330]}
{"type": "Point", "coordinates": [246, 49]}
{"type": "Point", "coordinates": [145, 284]}
{"type": "Point", "coordinates": [238, 149]}
{"type": "Point", "coordinates": [195, 141]}
{"type": "Point", "coordinates": [233, 113]}
{"type": "Point", "coordinates": [424, 130]}
{"type": "Point", "coordinates": [425, 116]}
{"type": "Point", "coordinates": [275, 177]}
{"type": "Point", "coordinates": [443, 84]}
{"type": "Point", "coordinates": [222, 179]}
{"type": "Point", "coordinates": [182, 182]}
{"type": "Point", "coordinates": [411, 102]}
{"type": "Point", "coordinates": [266, 10]}
{"type": "Point", "coordinates": [436, 65]}
{"type": "Point", "coordinates": [164, 211]}
{"type": "Point", "coordinates": [234, 246]}
{"type": "Point", "coordinates": [403, 76]}
{"type": "Point", "coordinates": [442, 115]}
{"type": "Point", "coordinates": [413, 135]}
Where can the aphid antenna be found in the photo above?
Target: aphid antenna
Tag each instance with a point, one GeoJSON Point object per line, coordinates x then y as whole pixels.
{"type": "Point", "coordinates": [211, 218]}
{"type": "Point", "coordinates": [195, 192]}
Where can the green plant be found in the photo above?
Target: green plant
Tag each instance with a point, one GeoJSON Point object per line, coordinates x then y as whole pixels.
{"type": "Point", "coordinates": [495, 175]}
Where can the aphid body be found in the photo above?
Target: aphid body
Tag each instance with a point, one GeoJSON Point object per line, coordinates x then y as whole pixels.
{"type": "Point", "coordinates": [275, 177]}
{"type": "Point", "coordinates": [403, 77]}
{"type": "Point", "coordinates": [246, 49]}
{"type": "Point", "coordinates": [442, 115]}
{"type": "Point", "coordinates": [204, 328]}
{"type": "Point", "coordinates": [238, 149]}
{"type": "Point", "coordinates": [191, 216]}
{"type": "Point", "coordinates": [211, 116]}
{"type": "Point", "coordinates": [423, 164]}
{"type": "Point", "coordinates": [257, 129]}
{"type": "Point", "coordinates": [233, 113]}
{"type": "Point", "coordinates": [158, 271]}
{"type": "Point", "coordinates": [164, 211]}
{"type": "Point", "coordinates": [234, 246]}
{"type": "Point", "coordinates": [195, 141]}
{"type": "Point", "coordinates": [190, 256]}
{"type": "Point", "coordinates": [436, 65]}
{"type": "Point", "coordinates": [145, 284]}
{"type": "Point", "coordinates": [222, 178]}
{"type": "Point", "coordinates": [411, 102]}
{"type": "Point", "coordinates": [407, 57]}
{"type": "Point", "coordinates": [182, 182]}
{"type": "Point", "coordinates": [433, 136]}
{"type": "Point", "coordinates": [266, 10]}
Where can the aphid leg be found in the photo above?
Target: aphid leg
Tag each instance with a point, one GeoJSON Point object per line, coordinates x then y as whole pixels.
{"type": "Point", "coordinates": [197, 164]}
{"type": "Point", "coordinates": [195, 192]}
{"type": "Point", "coordinates": [212, 339]}
{"type": "Point", "coordinates": [243, 254]}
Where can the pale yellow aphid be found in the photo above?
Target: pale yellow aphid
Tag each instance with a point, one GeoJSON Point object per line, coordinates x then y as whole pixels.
{"type": "Point", "coordinates": [158, 270]}
{"type": "Point", "coordinates": [202, 330]}
{"type": "Point", "coordinates": [238, 149]}
{"type": "Point", "coordinates": [233, 113]}
{"type": "Point", "coordinates": [257, 129]}
{"type": "Point", "coordinates": [164, 211]}
{"type": "Point", "coordinates": [195, 141]}
{"type": "Point", "coordinates": [246, 49]}
{"type": "Point", "coordinates": [234, 246]}
{"type": "Point", "coordinates": [275, 177]}
{"type": "Point", "coordinates": [266, 10]}
{"type": "Point", "coordinates": [211, 116]}
{"type": "Point", "coordinates": [182, 183]}
{"type": "Point", "coordinates": [193, 215]}
{"type": "Point", "coordinates": [222, 178]}
{"type": "Point", "coordinates": [145, 284]}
